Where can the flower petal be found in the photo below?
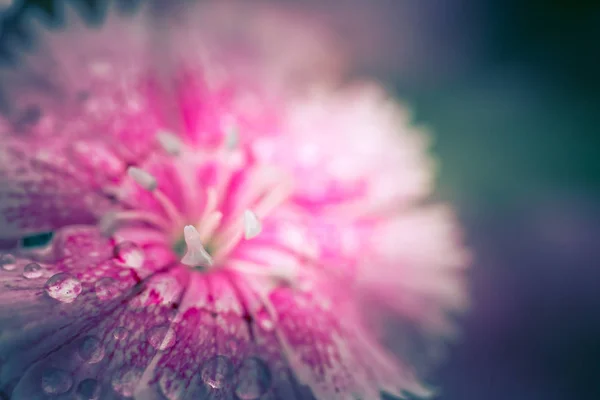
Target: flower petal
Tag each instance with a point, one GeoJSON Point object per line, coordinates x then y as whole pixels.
{"type": "Point", "coordinates": [332, 352]}
{"type": "Point", "coordinates": [353, 149]}
{"type": "Point", "coordinates": [74, 102]}
{"type": "Point", "coordinates": [79, 287]}
{"type": "Point", "coordinates": [42, 188]}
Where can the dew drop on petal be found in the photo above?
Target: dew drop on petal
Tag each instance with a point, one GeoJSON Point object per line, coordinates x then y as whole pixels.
{"type": "Point", "coordinates": [120, 333]}
{"type": "Point", "coordinates": [91, 350]}
{"type": "Point", "coordinates": [8, 262]}
{"type": "Point", "coordinates": [107, 289]}
{"type": "Point", "coordinates": [56, 381]}
{"type": "Point", "coordinates": [33, 271]}
{"type": "Point", "coordinates": [63, 287]}
{"type": "Point", "coordinates": [253, 379]}
{"type": "Point", "coordinates": [124, 381]}
{"type": "Point", "coordinates": [88, 389]}
{"type": "Point", "coordinates": [128, 254]}
{"type": "Point", "coordinates": [217, 371]}
{"type": "Point", "coordinates": [161, 337]}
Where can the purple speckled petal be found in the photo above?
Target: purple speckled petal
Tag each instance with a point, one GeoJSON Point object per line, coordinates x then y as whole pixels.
{"type": "Point", "coordinates": [81, 110]}
{"type": "Point", "coordinates": [222, 350]}
{"type": "Point", "coordinates": [84, 290]}
{"type": "Point", "coordinates": [331, 351]}
{"type": "Point", "coordinates": [42, 188]}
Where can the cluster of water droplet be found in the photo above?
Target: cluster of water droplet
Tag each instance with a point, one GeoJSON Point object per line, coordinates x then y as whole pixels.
{"type": "Point", "coordinates": [251, 380]}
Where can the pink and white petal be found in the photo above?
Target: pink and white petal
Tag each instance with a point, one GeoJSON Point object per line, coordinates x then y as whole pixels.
{"type": "Point", "coordinates": [267, 44]}
{"type": "Point", "coordinates": [353, 146]}
{"type": "Point", "coordinates": [113, 354]}
{"type": "Point", "coordinates": [222, 351]}
{"type": "Point", "coordinates": [329, 349]}
{"type": "Point", "coordinates": [43, 188]}
{"type": "Point", "coordinates": [89, 81]}
{"type": "Point", "coordinates": [46, 307]}
{"type": "Point", "coordinates": [413, 264]}
{"type": "Point", "coordinates": [82, 108]}
{"type": "Point", "coordinates": [111, 351]}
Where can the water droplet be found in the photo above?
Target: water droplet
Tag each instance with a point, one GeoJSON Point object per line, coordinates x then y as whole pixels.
{"type": "Point", "coordinates": [56, 381]}
{"type": "Point", "coordinates": [107, 289]}
{"type": "Point", "coordinates": [161, 337]}
{"type": "Point", "coordinates": [63, 287]}
{"type": "Point", "coordinates": [33, 271]}
{"type": "Point", "coordinates": [125, 380]}
{"type": "Point", "coordinates": [253, 379]}
{"type": "Point", "coordinates": [120, 333]}
{"type": "Point", "coordinates": [8, 262]}
{"type": "Point", "coordinates": [217, 371]}
{"type": "Point", "coordinates": [88, 389]}
{"type": "Point", "coordinates": [171, 386]}
{"type": "Point", "coordinates": [91, 350]}
{"type": "Point", "coordinates": [128, 254]}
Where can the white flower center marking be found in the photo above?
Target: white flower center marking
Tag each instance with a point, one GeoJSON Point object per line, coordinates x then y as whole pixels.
{"type": "Point", "coordinates": [169, 142]}
{"type": "Point", "coordinates": [252, 225]}
{"type": "Point", "coordinates": [196, 253]}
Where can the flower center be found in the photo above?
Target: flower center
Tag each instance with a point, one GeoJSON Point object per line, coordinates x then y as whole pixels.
{"type": "Point", "coordinates": [204, 235]}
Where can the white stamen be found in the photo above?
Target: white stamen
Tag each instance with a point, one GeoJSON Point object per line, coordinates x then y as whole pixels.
{"type": "Point", "coordinates": [108, 224]}
{"type": "Point", "coordinates": [142, 178]}
{"type": "Point", "coordinates": [252, 225]}
{"type": "Point", "coordinates": [231, 138]}
{"type": "Point", "coordinates": [169, 142]}
{"type": "Point", "coordinates": [196, 254]}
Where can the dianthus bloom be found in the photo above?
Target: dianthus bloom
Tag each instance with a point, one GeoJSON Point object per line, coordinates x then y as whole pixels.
{"type": "Point", "coordinates": [199, 211]}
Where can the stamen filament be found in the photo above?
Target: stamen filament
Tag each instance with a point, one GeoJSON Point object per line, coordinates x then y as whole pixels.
{"type": "Point", "coordinates": [210, 205]}
{"type": "Point", "coordinates": [149, 182]}
{"type": "Point", "coordinates": [110, 222]}
{"type": "Point", "coordinates": [209, 225]}
{"type": "Point", "coordinates": [229, 243]}
{"type": "Point", "coordinates": [286, 274]}
{"type": "Point", "coordinates": [273, 199]}
{"type": "Point", "coordinates": [168, 207]}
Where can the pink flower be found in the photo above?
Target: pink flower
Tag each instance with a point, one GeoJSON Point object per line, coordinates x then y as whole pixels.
{"type": "Point", "coordinates": [226, 222]}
